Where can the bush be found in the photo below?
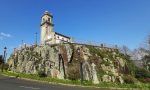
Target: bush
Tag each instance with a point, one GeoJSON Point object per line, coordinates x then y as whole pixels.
{"type": "Point", "coordinates": [147, 80]}
{"type": "Point", "coordinates": [6, 66]}
{"type": "Point", "coordinates": [42, 74]}
{"type": "Point", "coordinates": [73, 71]}
{"type": "Point", "coordinates": [128, 79]}
{"type": "Point", "coordinates": [1, 59]}
{"type": "Point", "coordinates": [142, 73]}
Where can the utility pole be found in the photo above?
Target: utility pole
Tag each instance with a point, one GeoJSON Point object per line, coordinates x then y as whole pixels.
{"type": "Point", "coordinates": [21, 42]}
{"type": "Point", "coordinates": [36, 38]}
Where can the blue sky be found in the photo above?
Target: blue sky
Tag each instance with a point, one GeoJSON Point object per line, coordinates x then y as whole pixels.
{"type": "Point", "coordinates": [121, 22]}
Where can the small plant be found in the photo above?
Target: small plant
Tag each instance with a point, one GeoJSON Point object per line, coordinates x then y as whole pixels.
{"type": "Point", "coordinates": [147, 80]}
{"type": "Point", "coordinates": [128, 79]}
{"type": "Point", "coordinates": [41, 74]}
{"type": "Point", "coordinates": [6, 66]}
{"type": "Point", "coordinates": [142, 73]}
{"type": "Point", "coordinates": [17, 76]}
{"type": "Point", "coordinates": [73, 71]}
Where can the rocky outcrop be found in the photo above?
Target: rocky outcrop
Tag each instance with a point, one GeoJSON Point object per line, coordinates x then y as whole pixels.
{"type": "Point", "coordinates": [99, 64]}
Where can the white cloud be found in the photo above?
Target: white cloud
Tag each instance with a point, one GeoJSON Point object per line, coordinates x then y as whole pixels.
{"type": "Point", "coordinates": [4, 35]}
{"type": "Point", "coordinates": [1, 38]}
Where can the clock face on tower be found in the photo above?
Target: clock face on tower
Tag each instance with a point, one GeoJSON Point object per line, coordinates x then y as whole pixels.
{"type": "Point", "coordinates": [49, 37]}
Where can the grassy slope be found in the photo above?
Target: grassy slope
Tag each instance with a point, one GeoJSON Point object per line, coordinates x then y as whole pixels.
{"type": "Point", "coordinates": [86, 83]}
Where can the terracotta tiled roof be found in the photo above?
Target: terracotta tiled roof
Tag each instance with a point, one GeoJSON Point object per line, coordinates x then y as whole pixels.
{"type": "Point", "coordinates": [61, 35]}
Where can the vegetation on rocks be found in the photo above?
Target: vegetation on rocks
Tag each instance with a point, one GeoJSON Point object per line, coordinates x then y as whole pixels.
{"type": "Point", "coordinates": [62, 61]}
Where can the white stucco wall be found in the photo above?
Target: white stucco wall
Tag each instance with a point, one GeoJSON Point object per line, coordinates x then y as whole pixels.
{"type": "Point", "coordinates": [60, 39]}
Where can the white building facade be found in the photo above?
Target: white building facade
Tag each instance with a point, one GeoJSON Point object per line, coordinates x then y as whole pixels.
{"type": "Point", "coordinates": [48, 36]}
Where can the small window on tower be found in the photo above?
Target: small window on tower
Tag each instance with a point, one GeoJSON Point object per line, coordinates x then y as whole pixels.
{"type": "Point", "coordinates": [43, 20]}
{"type": "Point", "coordinates": [48, 19]}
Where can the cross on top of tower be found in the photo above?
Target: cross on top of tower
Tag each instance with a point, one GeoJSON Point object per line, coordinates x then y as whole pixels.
{"type": "Point", "coordinates": [48, 13]}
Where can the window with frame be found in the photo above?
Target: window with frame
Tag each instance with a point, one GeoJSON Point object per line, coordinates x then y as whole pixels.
{"type": "Point", "coordinates": [48, 19]}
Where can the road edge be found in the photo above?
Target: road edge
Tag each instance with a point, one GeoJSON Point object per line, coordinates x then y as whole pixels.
{"type": "Point", "coordinates": [71, 85]}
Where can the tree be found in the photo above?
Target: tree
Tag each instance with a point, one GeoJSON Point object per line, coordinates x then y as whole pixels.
{"type": "Point", "coordinates": [1, 62]}
{"type": "Point", "coordinates": [146, 62]}
{"type": "Point", "coordinates": [146, 57]}
{"type": "Point", "coordinates": [1, 59]}
{"type": "Point", "coordinates": [138, 54]}
{"type": "Point", "coordinates": [126, 51]}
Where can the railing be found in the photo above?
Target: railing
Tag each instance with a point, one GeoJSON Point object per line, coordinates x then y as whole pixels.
{"type": "Point", "coordinates": [87, 43]}
{"type": "Point", "coordinates": [97, 44]}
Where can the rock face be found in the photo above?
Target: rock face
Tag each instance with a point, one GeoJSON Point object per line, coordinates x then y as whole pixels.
{"type": "Point", "coordinates": [63, 61]}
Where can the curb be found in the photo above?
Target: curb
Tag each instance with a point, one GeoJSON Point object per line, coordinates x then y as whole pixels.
{"type": "Point", "coordinates": [71, 85]}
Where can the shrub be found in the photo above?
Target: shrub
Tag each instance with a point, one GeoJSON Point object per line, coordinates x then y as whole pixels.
{"type": "Point", "coordinates": [41, 74]}
{"type": "Point", "coordinates": [73, 71]}
{"type": "Point", "coordinates": [142, 73]}
{"type": "Point", "coordinates": [147, 80]}
{"type": "Point", "coordinates": [128, 79]}
{"type": "Point", "coordinates": [6, 66]}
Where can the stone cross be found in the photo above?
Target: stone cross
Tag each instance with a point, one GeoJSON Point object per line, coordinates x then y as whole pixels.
{"type": "Point", "coordinates": [94, 74]}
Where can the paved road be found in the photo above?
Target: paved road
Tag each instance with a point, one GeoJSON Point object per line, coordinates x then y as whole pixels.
{"type": "Point", "coordinates": [7, 83]}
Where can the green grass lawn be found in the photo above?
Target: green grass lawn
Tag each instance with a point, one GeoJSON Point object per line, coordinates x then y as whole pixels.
{"type": "Point", "coordinates": [143, 86]}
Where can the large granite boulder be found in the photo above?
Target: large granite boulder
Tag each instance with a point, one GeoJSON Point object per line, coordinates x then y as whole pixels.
{"type": "Point", "coordinates": [63, 61]}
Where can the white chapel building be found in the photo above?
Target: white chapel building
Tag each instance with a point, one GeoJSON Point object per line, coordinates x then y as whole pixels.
{"type": "Point", "coordinates": [48, 36]}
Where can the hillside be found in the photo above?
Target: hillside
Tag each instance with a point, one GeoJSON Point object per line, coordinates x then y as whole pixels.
{"type": "Point", "coordinates": [100, 64]}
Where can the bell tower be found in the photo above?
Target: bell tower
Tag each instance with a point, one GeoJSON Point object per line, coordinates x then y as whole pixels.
{"type": "Point", "coordinates": [46, 27]}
